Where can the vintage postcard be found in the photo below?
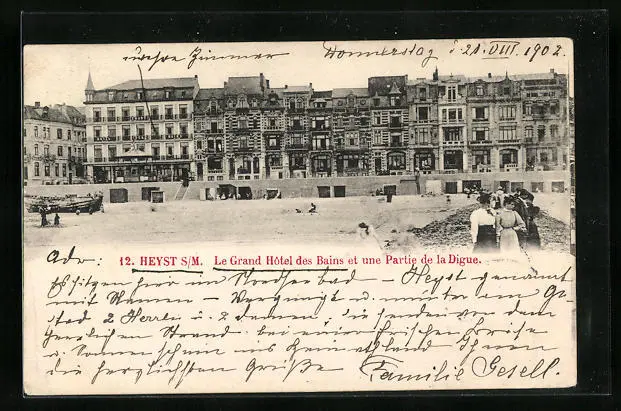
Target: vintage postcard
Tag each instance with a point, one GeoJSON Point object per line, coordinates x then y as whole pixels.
{"type": "Point", "coordinates": [298, 216]}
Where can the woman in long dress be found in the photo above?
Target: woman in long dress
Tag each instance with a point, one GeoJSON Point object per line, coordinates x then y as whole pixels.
{"type": "Point", "coordinates": [507, 222]}
{"type": "Point", "coordinates": [483, 226]}
{"type": "Point", "coordinates": [366, 235]}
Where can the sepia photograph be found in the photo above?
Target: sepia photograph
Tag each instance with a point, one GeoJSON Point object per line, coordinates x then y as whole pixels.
{"type": "Point", "coordinates": [299, 216]}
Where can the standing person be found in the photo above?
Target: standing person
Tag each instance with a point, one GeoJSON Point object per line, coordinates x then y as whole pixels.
{"type": "Point", "coordinates": [499, 198]}
{"type": "Point", "coordinates": [43, 212]}
{"type": "Point", "coordinates": [417, 179]}
{"type": "Point", "coordinates": [56, 220]}
{"type": "Point", "coordinates": [507, 222]}
{"type": "Point", "coordinates": [483, 226]}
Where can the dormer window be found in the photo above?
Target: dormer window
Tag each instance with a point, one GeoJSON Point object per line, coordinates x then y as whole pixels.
{"type": "Point", "coordinates": [182, 93]}
{"type": "Point", "coordinates": [479, 90]}
{"type": "Point", "coordinates": [139, 95]}
{"type": "Point", "coordinates": [125, 96]}
{"type": "Point", "coordinates": [254, 102]}
{"type": "Point", "coordinates": [167, 94]}
{"type": "Point", "coordinates": [110, 95]}
{"type": "Point", "coordinates": [231, 103]}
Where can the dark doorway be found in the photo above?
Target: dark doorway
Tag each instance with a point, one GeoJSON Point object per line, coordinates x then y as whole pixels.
{"type": "Point", "coordinates": [245, 193]}
{"type": "Point", "coordinates": [146, 192]}
{"type": "Point", "coordinates": [390, 189]}
{"type": "Point", "coordinates": [118, 195]}
{"type": "Point", "coordinates": [339, 191]}
{"type": "Point", "coordinates": [450, 187]}
{"type": "Point", "coordinates": [471, 185]}
{"type": "Point", "coordinates": [324, 191]}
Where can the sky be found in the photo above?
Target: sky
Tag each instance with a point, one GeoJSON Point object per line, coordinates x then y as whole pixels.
{"type": "Point", "coordinates": [56, 74]}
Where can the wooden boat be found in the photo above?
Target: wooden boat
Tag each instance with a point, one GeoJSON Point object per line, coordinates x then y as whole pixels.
{"type": "Point", "coordinates": [67, 204]}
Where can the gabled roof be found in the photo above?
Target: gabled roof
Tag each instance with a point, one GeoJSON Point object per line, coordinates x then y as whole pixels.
{"type": "Point", "coordinates": [344, 92]}
{"type": "Point", "coordinates": [383, 85]}
{"type": "Point", "coordinates": [297, 89]}
{"type": "Point", "coordinates": [58, 114]}
{"type": "Point", "coordinates": [322, 94]}
{"type": "Point", "coordinates": [243, 85]}
{"type": "Point", "coordinates": [210, 93]}
{"type": "Point", "coordinates": [181, 82]}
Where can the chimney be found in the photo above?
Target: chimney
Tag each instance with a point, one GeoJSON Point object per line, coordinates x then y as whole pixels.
{"type": "Point", "coordinates": [489, 75]}
{"type": "Point", "coordinates": [436, 75]}
{"type": "Point", "coordinates": [267, 82]}
{"type": "Point", "coordinates": [196, 76]}
{"type": "Point", "coordinates": [310, 85]}
{"type": "Point", "coordinates": [37, 104]}
{"type": "Point", "coordinates": [551, 71]}
{"type": "Point", "coordinates": [286, 86]}
{"type": "Point", "coordinates": [225, 84]}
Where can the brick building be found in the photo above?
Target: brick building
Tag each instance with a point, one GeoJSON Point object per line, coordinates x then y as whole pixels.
{"type": "Point", "coordinates": [54, 148]}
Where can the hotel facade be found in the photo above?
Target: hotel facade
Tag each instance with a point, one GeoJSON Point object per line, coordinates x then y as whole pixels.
{"type": "Point", "coordinates": [171, 130]}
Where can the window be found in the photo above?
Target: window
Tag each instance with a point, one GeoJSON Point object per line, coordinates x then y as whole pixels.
{"type": "Point", "coordinates": [422, 93]}
{"type": "Point", "coordinates": [36, 131]}
{"type": "Point", "coordinates": [480, 113]}
{"type": "Point", "coordinates": [480, 134]}
{"type": "Point", "coordinates": [299, 103]}
{"type": "Point", "coordinates": [36, 149]}
{"type": "Point", "coordinates": [297, 124]}
{"type": "Point", "coordinates": [183, 111]}
{"type": "Point", "coordinates": [155, 112]}
{"type": "Point", "coordinates": [97, 131]}
{"type": "Point", "coordinates": [394, 101]}
{"type": "Point", "coordinates": [169, 129]}
{"type": "Point", "coordinates": [377, 119]}
{"type": "Point", "coordinates": [554, 132]}
{"type": "Point", "coordinates": [46, 150]}
{"type": "Point", "coordinates": [479, 90]}
{"type": "Point", "coordinates": [214, 127]}
{"type": "Point", "coordinates": [452, 134]}
{"type": "Point", "coordinates": [507, 133]}
{"type": "Point", "coordinates": [541, 133]}
{"type": "Point", "coordinates": [56, 170]}
{"type": "Point", "coordinates": [422, 113]}
{"type": "Point", "coordinates": [59, 133]}
{"type": "Point", "coordinates": [140, 112]}
{"type": "Point", "coordinates": [167, 93]}
{"type": "Point", "coordinates": [36, 169]}
{"type": "Point", "coordinates": [68, 134]}
{"type": "Point", "coordinates": [64, 170]}
{"type": "Point", "coordinates": [111, 95]}
{"type": "Point", "coordinates": [168, 112]}
{"type": "Point", "coordinates": [242, 123]}
{"type": "Point", "coordinates": [321, 142]}
{"type": "Point", "coordinates": [126, 131]}
{"type": "Point", "coordinates": [339, 103]}
{"type": "Point", "coordinates": [243, 142]}
{"type": "Point", "coordinates": [376, 102]}
{"type": "Point", "coordinates": [395, 121]}
{"type": "Point", "coordinates": [554, 108]}
{"type": "Point", "coordinates": [452, 115]}
{"type": "Point", "coordinates": [46, 170]}
{"type": "Point", "coordinates": [125, 113]}
{"type": "Point", "coordinates": [139, 95]}
{"type": "Point", "coordinates": [452, 93]}
{"type": "Point", "coordinates": [272, 123]}
{"type": "Point", "coordinates": [527, 109]}
{"type": "Point", "coordinates": [422, 136]}
{"type": "Point", "coordinates": [112, 132]}
{"type": "Point", "coordinates": [183, 128]}
{"type": "Point", "coordinates": [507, 112]}
{"type": "Point", "coordinates": [396, 161]}
{"type": "Point", "coordinates": [363, 102]}
{"type": "Point", "coordinates": [155, 131]}
{"type": "Point", "coordinates": [140, 129]}
{"type": "Point", "coordinates": [528, 133]}
{"type": "Point", "coordinates": [112, 153]}
{"type": "Point", "coordinates": [291, 104]}
{"type": "Point", "coordinates": [60, 151]}
{"type": "Point", "coordinates": [275, 161]}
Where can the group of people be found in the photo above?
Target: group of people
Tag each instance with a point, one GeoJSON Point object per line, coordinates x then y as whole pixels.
{"type": "Point", "coordinates": [505, 222]}
{"type": "Point", "coordinates": [44, 211]}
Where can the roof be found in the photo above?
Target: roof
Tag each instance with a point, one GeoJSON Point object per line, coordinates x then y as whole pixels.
{"type": "Point", "coordinates": [344, 92]}
{"type": "Point", "coordinates": [298, 89]}
{"type": "Point", "coordinates": [181, 82]}
{"type": "Point", "coordinates": [89, 83]}
{"type": "Point", "coordinates": [243, 85]}
{"type": "Point", "coordinates": [458, 78]}
{"type": "Point", "coordinates": [59, 113]}
{"type": "Point", "coordinates": [322, 94]}
{"type": "Point", "coordinates": [383, 85]}
{"type": "Point", "coordinates": [210, 93]}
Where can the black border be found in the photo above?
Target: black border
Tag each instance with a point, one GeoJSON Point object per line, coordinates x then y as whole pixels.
{"type": "Point", "coordinates": [589, 29]}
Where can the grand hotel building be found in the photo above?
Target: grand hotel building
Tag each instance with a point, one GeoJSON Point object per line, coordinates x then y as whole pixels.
{"type": "Point", "coordinates": [171, 129]}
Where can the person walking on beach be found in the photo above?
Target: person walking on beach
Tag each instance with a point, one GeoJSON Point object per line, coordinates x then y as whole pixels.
{"type": "Point", "coordinates": [43, 212]}
{"type": "Point", "coordinates": [417, 179]}
{"type": "Point", "coordinates": [508, 221]}
{"type": "Point", "coordinates": [56, 220]}
{"type": "Point", "coordinates": [483, 226]}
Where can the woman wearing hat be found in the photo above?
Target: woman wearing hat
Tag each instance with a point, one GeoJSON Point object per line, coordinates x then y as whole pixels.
{"type": "Point", "coordinates": [507, 222]}
{"type": "Point", "coordinates": [483, 226]}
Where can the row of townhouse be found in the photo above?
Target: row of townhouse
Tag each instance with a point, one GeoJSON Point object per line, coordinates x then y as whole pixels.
{"type": "Point", "coordinates": [54, 149]}
{"type": "Point", "coordinates": [171, 129]}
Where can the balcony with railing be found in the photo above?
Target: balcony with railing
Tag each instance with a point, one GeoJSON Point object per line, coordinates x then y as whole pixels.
{"type": "Point", "coordinates": [395, 125]}
{"type": "Point", "coordinates": [245, 149]}
{"type": "Point", "coordinates": [397, 143]}
{"type": "Point", "coordinates": [352, 172]}
{"type": "Point", "coordinates": [480, 142]}
{"type": "Point", "coordinates": [101, 139]}
{"type": "Point", "coordinates": [298, 146]}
